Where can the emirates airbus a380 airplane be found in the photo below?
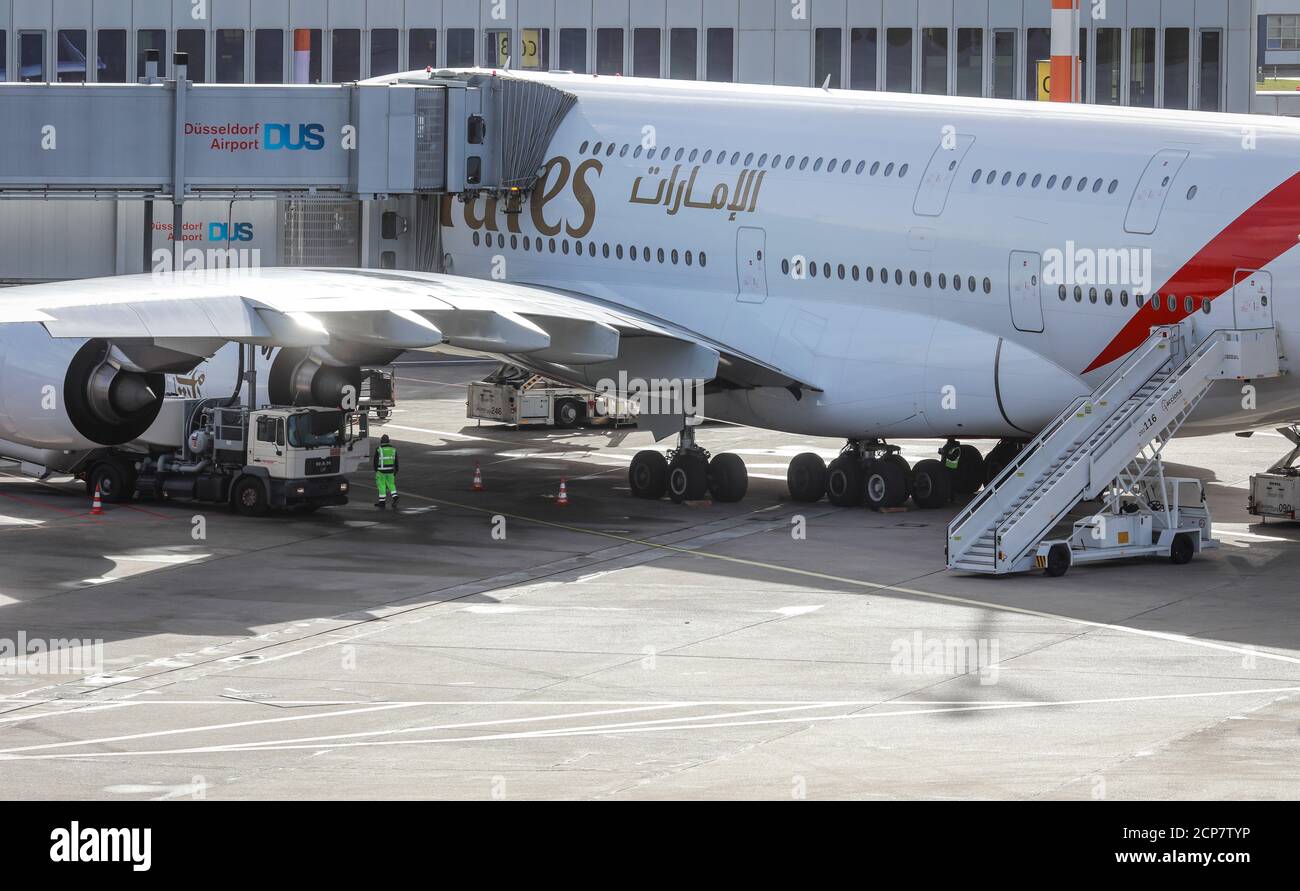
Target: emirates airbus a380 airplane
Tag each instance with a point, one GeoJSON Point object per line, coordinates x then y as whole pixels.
{"type": "Point", "coordinates": [858, 265]}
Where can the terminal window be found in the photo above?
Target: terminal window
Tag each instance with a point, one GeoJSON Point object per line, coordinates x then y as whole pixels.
{"type": "Point", "coordinates": [496, 48]}
{"type": "Point", "coordinates": [1211, 84]}
{"type": "Point", "coordinates": [72, 57]}
{"type": "Point", "coordinates": [1142, 71]}
{"type": "Point", "coordinates": [609, 50]}
{"type": "Point", "coordinates": [383, 51]}
{"type": "Point", "coordinates": [1038, 48]}
{"type": "Point", "coordinates": [645, 52]}
{"type": "Point", "coordinates": [145, 40]}
{"type": "Point", "coordinates": [720, 55]}
{"type": "Point", "coordinates": [1282, 32]}
{"type": "Point", "coordinates": [970, 62]}
{"type": "Point", "coordinates": [422, 48]}
{"type": "Point", "coordinates": [1004, 64]}
{"type": "Point", "coordinates": [1178, 48]}
{"type": "Point", "coordinates": [110, 56]}
{"type": "Point", "coordinates": [826, 56]}
{"type": "Point", "coordinates": [230, 55]}
{"type": "Point", "coordinates": [683, 48]}
{"type": "Point", "coordinates": [268, 56]}
{"type": "Point", "coordinates": [347, 56]}
{"type": "Point", "coordinates": [898, 60]}
{"type": "Point", "coordinates": [863, 53]}
{"type": "Point", "coordinates": [934, 61]}
{"type": "Point", "coordinates": [460, 47]}
{"type": "Point", "coordinates": [1108, 71]}
{"type": "Point", "coordinates": [573, 50]}
{"type": "Point", "coordinates": [193, 42]}
{"type": "Point", "coordinates": [31, 56]}
{"type": "Point", "coordinates": [4, 66]}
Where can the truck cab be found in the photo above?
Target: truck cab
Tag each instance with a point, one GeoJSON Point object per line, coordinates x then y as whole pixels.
{"type": "Point", "coordinates": [300, 458]}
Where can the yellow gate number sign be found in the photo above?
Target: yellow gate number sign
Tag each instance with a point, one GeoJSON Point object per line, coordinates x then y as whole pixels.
{"type": "Point", "coordinates": [531, 45]}
{"type": "Point", "coordinates": [1044, 80]}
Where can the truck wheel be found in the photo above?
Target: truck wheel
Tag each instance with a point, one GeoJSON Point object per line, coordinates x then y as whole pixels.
{"type": "Point", "coordinates": [648, 475]}
{"type": "Point", "coordinates": [728, 478]}
{"type": "Point", "coordinates": [115, 479]}
{"type": "Point", "coordinates": [1058, 560]}
{"type": "Point", "coordinates": [806, 477]}
{"type": "Point", "coordinates": [568, 414]}
{"type": "Point", "coordinates": [250, 497]}
{"type": "Point", "coordinates": [1182, 549]}
{"type": "Point", "coordinates": [886, 485]}
{"type": "Point", "coordinates": [844, 482]}
{"type": "Point", "coordinates": [931, 485]}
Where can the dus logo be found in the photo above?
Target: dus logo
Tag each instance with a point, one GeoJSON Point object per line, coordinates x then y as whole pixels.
{"type": "Point", "coordinates": [229, 232]}
{"type": "Point", "coordinates": [310, 137]}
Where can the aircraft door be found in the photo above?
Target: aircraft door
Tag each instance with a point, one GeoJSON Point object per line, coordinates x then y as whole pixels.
{"type": "Point", "coordinates": [936, 182]}
{"type": "Point", "coordinates": [1252, 299]}
{"type": "Point", "coordinates": [1152, 189]}
{"type": "Point", "coordinates": [1026, 291]}
{"type": "Point", "coordinates": [751, 265]}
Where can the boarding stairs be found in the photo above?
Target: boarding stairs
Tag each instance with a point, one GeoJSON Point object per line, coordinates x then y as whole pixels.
{"type": "Point", "coordinates": [1108, 441]}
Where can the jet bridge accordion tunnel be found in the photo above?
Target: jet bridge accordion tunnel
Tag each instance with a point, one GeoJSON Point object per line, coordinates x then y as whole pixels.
{"type": "Point", "coordinates": [440, 133]}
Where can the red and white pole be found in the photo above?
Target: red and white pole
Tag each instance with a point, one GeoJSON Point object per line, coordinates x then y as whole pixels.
{"type": "Point", "coordinates": [1065, 51]}
{"type": "Point", "coordinates": [301, 55]}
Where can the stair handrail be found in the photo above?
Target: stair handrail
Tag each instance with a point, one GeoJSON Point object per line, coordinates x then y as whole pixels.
{"type": "Point", "coordinates": [1160, 335]}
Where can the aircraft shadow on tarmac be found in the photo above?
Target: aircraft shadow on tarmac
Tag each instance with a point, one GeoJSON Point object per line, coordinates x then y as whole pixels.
{"type": "Point", "coordinates": [299, 569]}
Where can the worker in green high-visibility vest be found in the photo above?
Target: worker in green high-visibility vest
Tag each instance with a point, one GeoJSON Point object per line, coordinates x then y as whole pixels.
{"type": "Point", "coordinates": [384, 460]}
{"type": "Point", "coordinates": [951, 454]}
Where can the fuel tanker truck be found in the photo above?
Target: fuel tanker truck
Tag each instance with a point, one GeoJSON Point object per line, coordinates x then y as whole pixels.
{"type": "Point", "coordinates": [136, 419]}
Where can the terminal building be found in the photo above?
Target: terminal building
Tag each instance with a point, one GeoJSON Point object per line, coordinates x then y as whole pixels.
{"type": "Point", "coordinates": [1181, 54]}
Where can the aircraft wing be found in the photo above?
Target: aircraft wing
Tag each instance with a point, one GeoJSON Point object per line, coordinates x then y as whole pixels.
{"type": "Point", "coordinates": [571, 337]}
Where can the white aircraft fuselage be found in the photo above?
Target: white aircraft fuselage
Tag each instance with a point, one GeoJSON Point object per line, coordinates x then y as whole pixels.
{"type": "Point", "coordinates": [839, 269]}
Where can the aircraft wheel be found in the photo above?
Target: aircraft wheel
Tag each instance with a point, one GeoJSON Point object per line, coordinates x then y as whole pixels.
{"type": "Point", "coordinates": [999, 457]}
{"type": "Point", "coordinates": [806, 477]}
{"type": "Point", "coordinates": [844, 482]}
{"type": "Point", "coordinates": [969, 475]}
{"type": "Point", "coordinates": [1058, 560]}
{"type": "Point", "coordinates": [688, 478]}
{"type": "Point", "coordinates": [931, 485]}
{"type": "Point", "coordinates": [1182, 549]}
{"type": "Point", "coordinates": [648, 475]}
{"type": "Point", "coordinates": [901, 462]}
{"type": "Point", "coordinates": [886, 486]}
{"type": "Point", "coordinates": [728, 478]}
{"type": "Point", "coordinates": [568, 414]}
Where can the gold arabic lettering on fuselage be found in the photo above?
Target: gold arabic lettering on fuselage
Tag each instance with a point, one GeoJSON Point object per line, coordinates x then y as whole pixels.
{"type": "Point", "coordinates": [675, 192]}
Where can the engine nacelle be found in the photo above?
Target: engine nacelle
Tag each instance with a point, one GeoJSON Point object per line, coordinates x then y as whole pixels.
{"type": "Point", "coordinates": [317, 376]}
{"type": "Point", "coordinates": [72, 394]}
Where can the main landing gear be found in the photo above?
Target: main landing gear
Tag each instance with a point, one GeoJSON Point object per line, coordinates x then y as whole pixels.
{"type": "Point", "coordinates": [872, 472]}
{"type": "Point", "coordinates": [688, 473]}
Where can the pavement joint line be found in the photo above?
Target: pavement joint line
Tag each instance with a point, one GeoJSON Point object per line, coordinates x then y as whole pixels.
{"type": "Point", "coordinates": [625, 728]}
{"type": "Point", "coordinates": [878, 586]}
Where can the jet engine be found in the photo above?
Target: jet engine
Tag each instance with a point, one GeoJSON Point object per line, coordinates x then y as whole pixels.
{"type": "Point", "coordinates": [72, 394]}
{"type": "Point", "coordinates": [317, 376]}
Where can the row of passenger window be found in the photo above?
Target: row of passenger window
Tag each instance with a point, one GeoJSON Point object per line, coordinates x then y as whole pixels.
{"type": "Point", "coordinates": [672, 256]}
{"type": "Point", "coordinates": [1169, 302]}
{"type": "Point", "coordinates": [1081, 186]}
{"type": "Point", "coordinates": [835, 165]}
{"type": "Point", "coordinates": [799, 268]}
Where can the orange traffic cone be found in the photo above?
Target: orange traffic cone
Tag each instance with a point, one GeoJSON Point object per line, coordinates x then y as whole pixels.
{"type": "Point", "coordinates": [563, 498]}
{"type": "Point", "coordinates": [97, 506]}
{"type": "Point", "coordinates": [478, 479]}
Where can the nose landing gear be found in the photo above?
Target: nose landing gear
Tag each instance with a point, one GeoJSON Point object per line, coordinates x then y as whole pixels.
{"type": "Point", "coordinates": [688, 473]}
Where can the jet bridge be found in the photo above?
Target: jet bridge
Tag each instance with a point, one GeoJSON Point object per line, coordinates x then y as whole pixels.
{"type": "Point", "coordinates": [443, 133]}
